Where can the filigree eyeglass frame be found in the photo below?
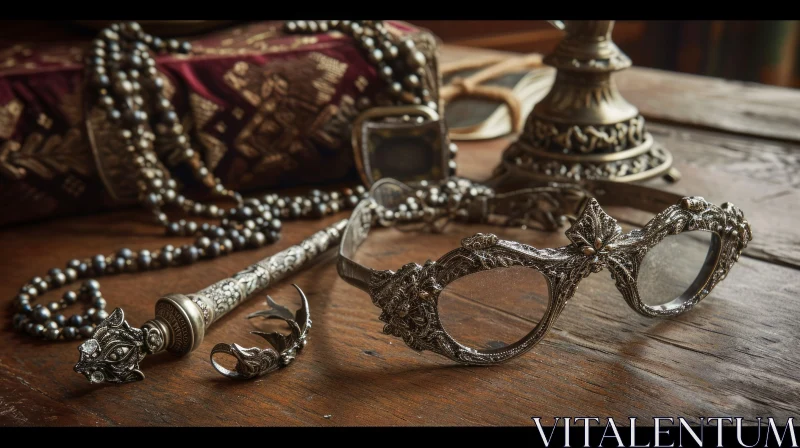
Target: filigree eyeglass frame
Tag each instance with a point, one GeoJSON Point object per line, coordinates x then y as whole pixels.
{"type": "Point", "coordinates": [409, 296]}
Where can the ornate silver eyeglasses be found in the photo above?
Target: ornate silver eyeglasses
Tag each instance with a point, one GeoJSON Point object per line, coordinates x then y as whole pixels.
{"type": "Point", "coordinates": [409, 297]}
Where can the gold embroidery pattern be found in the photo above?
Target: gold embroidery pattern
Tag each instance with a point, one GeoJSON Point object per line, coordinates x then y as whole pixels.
{"type": "Point", "coordinates": [361, 83]}
{"type": "Point", "coordinates": [332, 71]}
{"type": "Point", "coordinates": [72, 108]}
{"type": "Point", "coordinates": [46, 157]}
{"type": "Point", "coordinates": [215, 149]}
{"type": "Point", "coordinates": [169, 88]}
{"type": "Point", "coordinates": [290, 116]}
{"type": "Point", "coordinates": [73, 186]}
{"type": "Point", "coordinates": [9, 116]}
{"type": "Point", "coordinates": [203, 110]}
{"type": "Point", "coordinates": [44, 121]}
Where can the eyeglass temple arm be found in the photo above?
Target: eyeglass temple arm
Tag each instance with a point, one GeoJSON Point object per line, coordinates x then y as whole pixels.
{"type": "Point", "coordinates": [354, 235]}
{"type": "Point", "coordinates": [649, 199]}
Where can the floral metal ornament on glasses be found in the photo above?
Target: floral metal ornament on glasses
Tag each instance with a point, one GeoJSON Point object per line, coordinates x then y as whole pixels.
{"type": "Point", "coordinates": [409, 296]}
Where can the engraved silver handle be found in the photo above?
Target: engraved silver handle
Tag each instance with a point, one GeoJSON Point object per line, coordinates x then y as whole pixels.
{"type": "Point", "coordinates": [115, 350]}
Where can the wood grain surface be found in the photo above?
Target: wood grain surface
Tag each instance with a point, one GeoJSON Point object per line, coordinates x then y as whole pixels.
{"type": "Point", "coordinates": [734, 354]}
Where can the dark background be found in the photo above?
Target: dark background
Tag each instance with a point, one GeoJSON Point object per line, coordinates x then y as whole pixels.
{"type": "Point", "coordinates": [759, 51]}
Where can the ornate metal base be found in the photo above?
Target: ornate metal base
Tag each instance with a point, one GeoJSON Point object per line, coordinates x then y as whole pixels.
{"type": "Point", "coordinates": [584, 128]}
{"type": "Point", "coordinates": [538, 157]}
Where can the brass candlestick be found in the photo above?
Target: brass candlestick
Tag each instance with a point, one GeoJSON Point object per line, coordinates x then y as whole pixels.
{"type": "Point", "coordinates": [584, 128]}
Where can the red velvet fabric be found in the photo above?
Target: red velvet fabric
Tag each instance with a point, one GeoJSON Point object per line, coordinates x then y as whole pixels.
{"type": "Point", "coordinates": [266, 110]}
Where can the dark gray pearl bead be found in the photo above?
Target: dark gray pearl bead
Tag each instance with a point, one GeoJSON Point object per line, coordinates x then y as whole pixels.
{"type": "Point", "coordinates": [294, 211]}
{"type": "Point", "coordinates": [86, 331]}
{"type": "Point", "coordinates": [239, 242]}
{"type": "Point", "coordinates": [153, 199]}
{"type": "Point", "coordinates": [19, 321]}
{"type": "Point", "coordinates": [53, 306]}
{"type": "Point", "coordinates": [23, 298]}
{"type": "Point", "coordinates": [106, 101]}
{"type": "Point", "coordinates": [76, 320]}
{"type": "Point", "coordinates": [227, 245]}
{"type": "Point", "coordinates": [19, 304]}
{"type": "Point", "coordinates": [412, 80]}
{"type": "Point", "coordinates": [99, 303]}
{"type": "Point", "coordinates": [125, 253]}
{"type": "Point", "coordinates": [90, 313]}
{"type": "Point", "coordinates": [318, 210]}
{"type": "Point", "coordinates": [60, 319]}
{"type": "Point", "coordinates": [91, 285]}
{"type": "Point", "coordinates": [74, 263]}
{"type": "Point", "coordinates": [165, 257]}
{"type": "Point", "coordinates": [41, 286]}
{"type": "Point", "coordinates": [51, 334]}
{"type": "Point", "coordinates": [275, 224]}
{"type": "Point", "coordinates": [83, 270]}
{"type": "Point", "coordinates": [416, 59]}
{"type": "Point", "coordinates": [101, 80]}
{"type": "Point", "coordinates": [51, 324]}
{"type": "Point", "coordinates": [41, 314]}
{"type": "Point", "coordinates": [29, 328]}
{"type": "Point", "coordinates": [38, 330]}
{"type": "Point", "coordinates": [213, 249]}
{"type": "Point", "coordinates": [258, 239]}
{"type": "Point", "coordinates": [118, 264]}
{"type": "Point", "coordinates": [145, 260]}
{"type": "Point", "coordinates": [100, 316]}
{"type": "Point", "coordinates": [191, 228]}
{"type": "Point", "coordinates": [203, 242]}
{"type": "Point", "coordinates": [69, 333]}
{"type": "Point", "coordinates": [99, 264]}
{"type": "Point", "coordinates": [70, 274]}
{"type": "Point", "coordinates": [26, 308]}
{"type": "Point", "coordinates": [189, 254]}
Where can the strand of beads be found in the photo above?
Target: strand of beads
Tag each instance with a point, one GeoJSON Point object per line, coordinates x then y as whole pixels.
{"type": "Point", "coordinates": [124, 82]}
{"type": "Point", "coordinates": [398, 61]}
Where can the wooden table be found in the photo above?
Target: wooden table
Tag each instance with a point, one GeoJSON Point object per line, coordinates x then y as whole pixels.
{"type": "Point", "coordinates": [734, 355]}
